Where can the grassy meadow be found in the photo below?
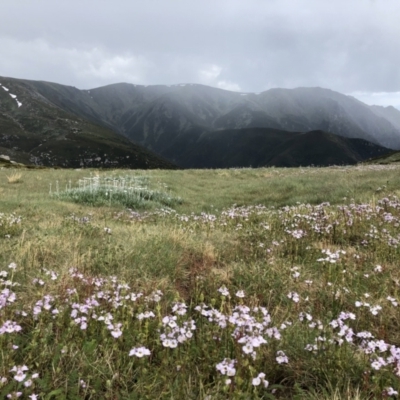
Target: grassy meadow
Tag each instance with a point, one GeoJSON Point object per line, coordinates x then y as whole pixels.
{"type": "Point", "coordinates": [200, 284]}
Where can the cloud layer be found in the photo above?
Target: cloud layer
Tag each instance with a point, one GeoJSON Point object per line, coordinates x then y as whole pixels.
{"type": "Point", "coordinates": [349, 46]}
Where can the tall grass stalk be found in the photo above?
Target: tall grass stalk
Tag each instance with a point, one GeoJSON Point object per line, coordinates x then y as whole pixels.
{"type": "Point", "coordinates": [132, 192]}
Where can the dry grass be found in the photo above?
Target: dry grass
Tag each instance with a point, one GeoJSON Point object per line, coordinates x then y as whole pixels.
{"type": "Point", "coordinates": [15, 177]}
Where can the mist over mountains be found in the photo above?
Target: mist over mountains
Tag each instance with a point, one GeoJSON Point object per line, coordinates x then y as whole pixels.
{"type": "Point", "coordinates": [189, 125]}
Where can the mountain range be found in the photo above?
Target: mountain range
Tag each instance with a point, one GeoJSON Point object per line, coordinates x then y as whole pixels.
{"type": "Point", "coordinates": [35, 130]}
{"type": "Point", "coordinates": [189, 126]}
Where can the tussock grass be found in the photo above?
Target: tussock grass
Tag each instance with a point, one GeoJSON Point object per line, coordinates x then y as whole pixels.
{"type": "Point", "coordinates": [15, 177]}
{"type": "Point", "coordinates": [128, 191]}
{"type": "Point", "coordinates": [131, 262]}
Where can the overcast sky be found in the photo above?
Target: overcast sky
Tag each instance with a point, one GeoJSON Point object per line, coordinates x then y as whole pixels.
{"type": "Point", "coordinates": [352, 46]}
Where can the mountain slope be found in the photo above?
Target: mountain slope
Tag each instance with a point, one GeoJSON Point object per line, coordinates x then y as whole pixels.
{"type": "Point", "coordinates": [156, 116]}
{"type": "Point", "coordinates": [390, 113]}
{"type": "Point", "coordinates": [42, 127]}
{"type": "Point", "coordinates": [321, 148]}
{"type": "Point", "coordinates": [259, 147]}
{"type": "Point", "coordinates": [390, 158]}
{"type": "Point", "coordinates": [172, 120]}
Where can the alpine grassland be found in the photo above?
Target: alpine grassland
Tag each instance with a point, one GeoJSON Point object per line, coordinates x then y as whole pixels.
{"type": "Point", "coordinates": [262, 283]}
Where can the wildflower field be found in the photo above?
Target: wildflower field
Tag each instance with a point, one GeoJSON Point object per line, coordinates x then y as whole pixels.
{"type": "Point", "coordinates": [212, 284]}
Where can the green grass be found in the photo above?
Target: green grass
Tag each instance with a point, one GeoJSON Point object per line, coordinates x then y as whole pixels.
{"type": "Point", "coordinates": [68, 253]}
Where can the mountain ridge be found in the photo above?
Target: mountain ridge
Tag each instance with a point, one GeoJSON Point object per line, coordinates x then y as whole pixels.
{"type": "Point", "coordinates": [172, 120]}
{"type": "Point", "coordinates": [301, 109]}
{"type": "Point", "coordinates": [42, 131]}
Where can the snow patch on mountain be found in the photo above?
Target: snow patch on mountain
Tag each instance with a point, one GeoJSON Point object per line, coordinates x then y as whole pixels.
{"type": "Point", "coordinates": [13, 96]}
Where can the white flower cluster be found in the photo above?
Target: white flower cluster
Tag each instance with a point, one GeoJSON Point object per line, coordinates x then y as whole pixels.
{"type": "Point", "coordinates": [9, 327]}
{"type": "Point", "coordinates": [250, 326]}
{"type": "Point", "coordinates": [173, 334]}
{"type": "Point", "coordinates": [139, 352]}
{"type": "Point", "coordinates": [260, 378]}
{"type": "Point", "coordinates": [227, 367]}
{"type": "Point", "coordinates": [331, 257]}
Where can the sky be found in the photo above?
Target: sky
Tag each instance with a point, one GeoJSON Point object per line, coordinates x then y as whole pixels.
{"type": "Point", "coordinates": [351, 46]}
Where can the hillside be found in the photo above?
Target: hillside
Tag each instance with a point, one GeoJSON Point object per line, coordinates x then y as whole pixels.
{"type": "Point", "coordinates": [158, 116]}
{"type": "Point", "coordinates": [391, 158]}
{"type": "Point", "coordinates": [261, 147]}
{"type": "Point", "coordinates": [62, 125]}
{"type": "Point", "coordinates": [390, 113]}
{"type": "Point", "coordinates": [36, 130]}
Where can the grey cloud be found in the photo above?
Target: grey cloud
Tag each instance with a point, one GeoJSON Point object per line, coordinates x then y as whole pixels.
{"type": "Point", "coordinates": [254, 45]}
